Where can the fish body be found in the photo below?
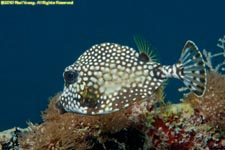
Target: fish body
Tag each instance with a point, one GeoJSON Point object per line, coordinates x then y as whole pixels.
{"type": "Point", "coordinates": [109, 77]}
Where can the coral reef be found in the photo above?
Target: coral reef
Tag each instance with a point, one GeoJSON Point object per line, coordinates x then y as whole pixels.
{"type": "Point", "coordinates": [75, 131]}
{"type": "Point", "coordinates": [191, 124]}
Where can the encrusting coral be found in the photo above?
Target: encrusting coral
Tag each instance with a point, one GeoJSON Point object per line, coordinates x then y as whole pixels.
{"type": "Point", "coordinates": [212, 104]}
{"type": "Point", "coordinates": [179, 126]}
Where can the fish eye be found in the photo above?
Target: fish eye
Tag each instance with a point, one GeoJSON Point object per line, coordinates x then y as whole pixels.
{"type": "Point", "coordinates": [70, 76]}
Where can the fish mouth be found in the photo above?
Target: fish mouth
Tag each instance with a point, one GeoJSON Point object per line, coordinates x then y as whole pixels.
{"type": "Point", "coordinates": [82, 101]}
{"type": "Point", "coordinates": [89, 99]}
{"type": "Point", "coordinates": [73, 105]}
{"type": "Point", "coordinates": [88, 102]}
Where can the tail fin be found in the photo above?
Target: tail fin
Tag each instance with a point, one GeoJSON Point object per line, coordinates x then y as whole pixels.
{"type": "Point", "coordinates": [193, 69]}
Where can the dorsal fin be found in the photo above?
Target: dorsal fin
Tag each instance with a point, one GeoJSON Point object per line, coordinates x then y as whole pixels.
{"type": "Point", "coordinates": [144, 57]}
{"type": "Point", "coordinates": [144, 48]}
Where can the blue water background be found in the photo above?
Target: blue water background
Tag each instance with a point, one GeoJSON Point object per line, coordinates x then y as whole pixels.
{"type": "Point", "coordinates": [38, 42]}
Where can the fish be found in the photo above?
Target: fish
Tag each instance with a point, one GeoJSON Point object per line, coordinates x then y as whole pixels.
{"type": "Point", "coordinates": [109, 77]}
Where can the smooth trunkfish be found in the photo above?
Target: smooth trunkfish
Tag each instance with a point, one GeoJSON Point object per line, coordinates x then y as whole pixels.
{"type": "Point", "coordinates": [109, 77]}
